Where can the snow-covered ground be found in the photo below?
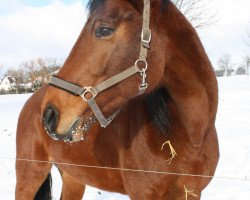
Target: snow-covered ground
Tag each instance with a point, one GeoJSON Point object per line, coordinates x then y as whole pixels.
{"type": "Point", "coordinates": [233, 126]}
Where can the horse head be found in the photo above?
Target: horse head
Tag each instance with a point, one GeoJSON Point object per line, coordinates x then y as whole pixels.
{"type": "Point", "coordinates": [113, 61]}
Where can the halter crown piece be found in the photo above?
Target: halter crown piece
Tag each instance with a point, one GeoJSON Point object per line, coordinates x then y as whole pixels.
{"type": "Point", "coordinates": [94, 91]}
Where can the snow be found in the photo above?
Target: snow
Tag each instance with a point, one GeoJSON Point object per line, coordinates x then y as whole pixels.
{"type": "Point", "coordinates": [233, 126]}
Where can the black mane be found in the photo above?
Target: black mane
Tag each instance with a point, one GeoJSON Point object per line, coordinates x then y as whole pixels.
{"type": "Point", "coordinates": [157, 110]}
{"type": "Point", "coordinates": [93, 4]}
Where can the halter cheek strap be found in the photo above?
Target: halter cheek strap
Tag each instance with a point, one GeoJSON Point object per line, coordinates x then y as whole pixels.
{"type": "Point", "coordinates": [94, 91]}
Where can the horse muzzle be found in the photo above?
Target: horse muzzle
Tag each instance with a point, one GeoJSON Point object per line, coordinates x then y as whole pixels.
{"type": "Point", "coordinates": [75, 133]}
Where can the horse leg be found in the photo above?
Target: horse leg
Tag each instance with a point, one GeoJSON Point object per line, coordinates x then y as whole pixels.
{"type": "Point", "coordinates": [32, 164]}
{"type": "Point", "coordinates": [71, 189]}
{"type": "Point", "coordinates": [30, 176]}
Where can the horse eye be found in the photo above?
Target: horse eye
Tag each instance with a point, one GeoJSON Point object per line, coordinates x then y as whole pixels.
{"type": "Point", "coordinates": [104, 32]}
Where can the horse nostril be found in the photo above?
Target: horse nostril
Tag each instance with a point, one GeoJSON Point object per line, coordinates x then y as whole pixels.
{"type": "Point", "coordinates": [50, 118]}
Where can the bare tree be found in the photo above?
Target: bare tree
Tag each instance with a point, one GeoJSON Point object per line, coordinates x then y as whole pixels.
{"type": "Point", "coordinates": [226, 65]}
{"type": "Point", "coordinates": [31, 70]}
{"type": "Point", "coordinates": [245, 65]}
{"type": "Point", "coordinates": [248, 66]}
{"type": "Point", "coordinates": [18, 74]}
{"type": "Point", "coordinates": [38, 70]}
{"type": "Point", "coordinates": [45, 67]}
{"type": "Point", "coordinates": [1, 72]}
{"type": "Point", "coordinates": [246, 59]}
{"type": "Point", "coordinates": [240, 71]}
{"type": "Point", "coordinates": [197, 12]}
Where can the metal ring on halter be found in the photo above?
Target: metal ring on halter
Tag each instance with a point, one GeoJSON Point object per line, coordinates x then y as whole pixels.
{"type": "Point", "coordinates": [86, 91]}
{"type": "Point", "coordinates": [143, 69]}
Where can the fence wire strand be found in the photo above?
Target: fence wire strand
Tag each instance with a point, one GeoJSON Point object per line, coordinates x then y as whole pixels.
{"type": "Point", "coordinates": [127, 169]}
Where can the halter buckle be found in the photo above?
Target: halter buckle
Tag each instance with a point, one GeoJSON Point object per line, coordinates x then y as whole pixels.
{"type": "Point", "coordinates": [146, 35]}
{"type": "Point", "coordinates": [88, 90]}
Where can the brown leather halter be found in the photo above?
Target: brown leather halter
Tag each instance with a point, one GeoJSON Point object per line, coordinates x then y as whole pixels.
{"type": "Point", "coordinates": [94, 91]}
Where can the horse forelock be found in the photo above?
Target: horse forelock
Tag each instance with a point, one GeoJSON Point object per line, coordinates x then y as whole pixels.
{"type": "Point", "coordinates": [164, 4]}
{"type": "Point", "coordinates": [93, 4]}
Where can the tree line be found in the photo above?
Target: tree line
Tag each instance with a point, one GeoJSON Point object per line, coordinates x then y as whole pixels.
{"type": "Point", "coordinates": [31, 75]}
{"type": "Point", "coordinates": [227, 67]}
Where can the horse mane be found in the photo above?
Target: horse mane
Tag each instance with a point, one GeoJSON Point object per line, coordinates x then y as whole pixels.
{"type": "Point", "coordinates": [157, 109]}
{"type": "Point", "coordinates": [93, 4]}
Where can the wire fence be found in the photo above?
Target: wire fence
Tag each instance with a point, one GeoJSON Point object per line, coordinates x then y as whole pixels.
{"type": "Point", "coordinates": [128, 169]}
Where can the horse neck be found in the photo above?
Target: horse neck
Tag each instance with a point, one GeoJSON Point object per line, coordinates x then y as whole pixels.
{"type": "Point", "coordinates": [189, 76]}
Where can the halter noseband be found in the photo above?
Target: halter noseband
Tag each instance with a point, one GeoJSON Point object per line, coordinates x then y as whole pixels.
{"type": "Point", "coordinates": [94, 91]}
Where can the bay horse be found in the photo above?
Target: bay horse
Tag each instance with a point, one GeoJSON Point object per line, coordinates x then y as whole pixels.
{"type": "Point", "coordinates": [147, 131]}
